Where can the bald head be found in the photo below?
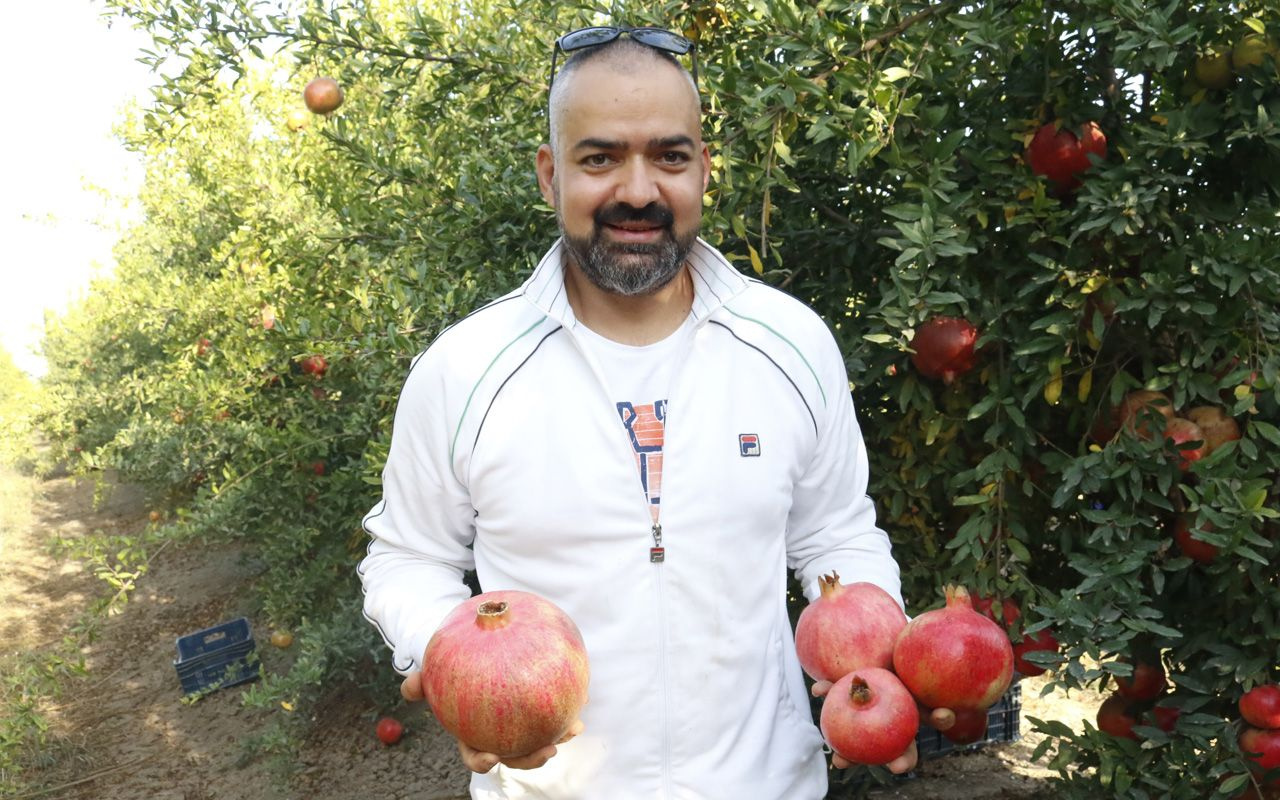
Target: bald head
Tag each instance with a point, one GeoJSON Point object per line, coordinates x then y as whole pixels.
{"type": "Point", "coordinates": [623, 56]}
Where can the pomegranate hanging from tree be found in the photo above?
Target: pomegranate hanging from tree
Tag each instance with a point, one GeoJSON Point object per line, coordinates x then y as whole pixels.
{"type": "Point", "coordinates": [944, 348]}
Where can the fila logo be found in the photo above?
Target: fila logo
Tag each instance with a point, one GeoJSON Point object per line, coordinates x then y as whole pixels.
{"type": "Point", "coordinates": [748, 444]}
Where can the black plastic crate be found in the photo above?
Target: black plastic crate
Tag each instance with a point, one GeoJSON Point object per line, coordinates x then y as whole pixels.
{"type": "Point", "coordinates": [1004, 721]}
{"type": "Point", "coordinates": [217, 657]}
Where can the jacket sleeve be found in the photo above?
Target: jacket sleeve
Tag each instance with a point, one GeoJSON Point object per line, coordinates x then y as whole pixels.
{"type": "Point", "coordinates": [832, 524]}
{"type": "Point", "coordinates": [422, 529]}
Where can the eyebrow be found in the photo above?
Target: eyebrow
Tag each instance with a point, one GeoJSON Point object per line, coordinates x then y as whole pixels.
{"type": "Point", "coordinates": [664, 143]}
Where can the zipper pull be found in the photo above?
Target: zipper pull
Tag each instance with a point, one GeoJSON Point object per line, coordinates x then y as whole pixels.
{"type": "Point", "coordinates": [657, 554]}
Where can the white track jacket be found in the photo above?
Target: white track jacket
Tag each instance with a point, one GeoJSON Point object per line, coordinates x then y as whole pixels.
{"type": "Point", "coordinates": [509, 457]}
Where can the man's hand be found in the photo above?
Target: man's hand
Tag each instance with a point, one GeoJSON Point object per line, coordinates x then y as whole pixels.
{"type": "Point", "coordinates": [477, 761]}
{"type": "Point", "coordinates": [940, 718]}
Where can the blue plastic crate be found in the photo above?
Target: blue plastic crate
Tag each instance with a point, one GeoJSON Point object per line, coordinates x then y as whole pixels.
{"type": "Point", "coordinates": [217, 657]}
{"type": "Point", "coordinates": [1004, 721]}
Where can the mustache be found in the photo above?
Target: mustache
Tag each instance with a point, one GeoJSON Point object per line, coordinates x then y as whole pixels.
{"type": "Point", "coordinates": [619, 213]}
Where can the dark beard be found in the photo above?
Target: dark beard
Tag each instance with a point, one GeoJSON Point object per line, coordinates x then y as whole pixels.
{"type": "Point", "coordinates": [630, 270]}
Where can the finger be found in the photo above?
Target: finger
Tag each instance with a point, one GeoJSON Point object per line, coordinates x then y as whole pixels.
{"type": "Point", "coordinates": [411, 687]}
{"type": "Point", "coordinates": [942, 718]}
{"type": "Point", "coordinates": [820, 688]}
{"type": "Point", "coordinates": [840, 762]}
{"type": "Point", "coordinates": [574, 729]}
{"type": "Point", "coordinates": [532, 761]}
{"type": "Point", "coordinates": [475, 760]}
{"type": "Point", "coordinates": [905, 762]}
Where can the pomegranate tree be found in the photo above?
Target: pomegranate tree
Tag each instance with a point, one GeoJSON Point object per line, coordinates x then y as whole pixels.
{"type": "Point", "coordinates": [944, 348]}
{"type": "Point", "coordinates": [847, 627]}
{"type": "Point", "coordinates": [869, 717]}
{"type": "Point", "coordinates": [953, 657]}
{"type": "Point", "coordinates": [506, 673]}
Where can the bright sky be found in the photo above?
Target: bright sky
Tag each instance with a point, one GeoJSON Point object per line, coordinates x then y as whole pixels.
{"type": "Point", "coordinates": [69, 77]}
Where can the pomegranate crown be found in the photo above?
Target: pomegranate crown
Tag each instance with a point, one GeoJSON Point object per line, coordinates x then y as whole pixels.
{"type": "Point", "coordinates": [957, 595]}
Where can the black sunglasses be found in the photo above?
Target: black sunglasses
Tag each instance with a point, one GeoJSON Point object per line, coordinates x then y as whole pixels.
{"type": "Point", "coordinates": [657, 38]}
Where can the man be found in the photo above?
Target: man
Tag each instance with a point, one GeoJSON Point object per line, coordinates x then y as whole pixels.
{"type": "Point", "coordinates": [647, 439]}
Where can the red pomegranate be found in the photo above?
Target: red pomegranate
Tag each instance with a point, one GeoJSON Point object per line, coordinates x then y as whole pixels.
{"type": "Point", "coordinates": [1262, 747]}
{"type": "Point", "coordinates": [1140, 404]}
{"type": "Point", "coordinates": [847, 627]}
{"type": "Point", "coordinates": [1190, 546]}
{"type": "Point", "coordinates": [322, 95]}
{"type": "Point", "coordinates": [1039, 642]}
{"type": "Point", "coordinates": [1146, 683]}
{"type": "Point", "coordinates": [1185, 434]}
{"type": "Point", "coordinates": [314, 365]}
{"type": "Point", "coordinates": [970, 726]}
{"type": "Point", "coordinates": [869, 717]}
{"type": "Point", "coordinates": [1260, 706]}
{"type": "Point", "coordinates": [506, 673]}
{"type": "Point", "coordinates": [1165, 717]}
{"type": "Point", "coordinates": [944, 348]}
{"type": "Point", "coordinates": [1061, 155]}
{"type": "Point", "coordinates": [1116, 718]}
{"type": "Point", "coordinates": [953, 657]}
{"type": "Point", "coordinates": [1216, 425]}
{"type": "Point", "coordinates": [1005, 613]}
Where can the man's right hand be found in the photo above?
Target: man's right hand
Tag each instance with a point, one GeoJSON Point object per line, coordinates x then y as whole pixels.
{"type": "Point", "coordinates": [477, 761]}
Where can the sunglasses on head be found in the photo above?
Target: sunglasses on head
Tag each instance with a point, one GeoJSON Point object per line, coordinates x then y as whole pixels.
{"type": "Point", "coordinates": [657, 38]}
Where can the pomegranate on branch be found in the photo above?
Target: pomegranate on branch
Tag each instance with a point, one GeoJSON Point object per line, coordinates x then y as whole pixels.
{"type": "Point", "coordinates": [944, 348]}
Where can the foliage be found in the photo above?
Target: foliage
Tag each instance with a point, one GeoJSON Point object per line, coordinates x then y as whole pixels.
{"type": "Point", "coordinates": [867, 157]}
{"type": "Point", "coordinates": [17, 394]}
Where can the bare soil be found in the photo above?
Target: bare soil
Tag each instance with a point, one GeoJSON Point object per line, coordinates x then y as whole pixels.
{"type": "Point", "coordinates": [123, 732]}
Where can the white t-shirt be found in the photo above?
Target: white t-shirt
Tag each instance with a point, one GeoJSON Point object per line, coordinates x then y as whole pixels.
{"type": "Point", "coordinates": [639, 379]}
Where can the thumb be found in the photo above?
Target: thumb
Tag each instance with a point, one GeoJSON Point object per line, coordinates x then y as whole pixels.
{"type": "Point", "coordinates": [411, 687]}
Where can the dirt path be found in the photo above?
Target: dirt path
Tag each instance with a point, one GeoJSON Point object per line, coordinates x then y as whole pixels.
{"type": "Point", "coordinates": [122, 732]}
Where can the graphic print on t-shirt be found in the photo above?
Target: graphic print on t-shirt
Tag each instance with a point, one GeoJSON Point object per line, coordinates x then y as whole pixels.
{"type": "Point", "coordinates": [646, 424]}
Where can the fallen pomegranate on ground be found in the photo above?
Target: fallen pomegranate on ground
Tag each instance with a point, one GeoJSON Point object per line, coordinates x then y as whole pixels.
{"type": "Point", "coordinates": [944, 348]}
{"type": "Point", "coordinates": [869, 717]}
{"type": "Point", "coordinates": [953, 657]}
{"type": "Point", "coordinates": [506, 673]}
{"type": "Point", "coordinates": [1260, 706]}
{"type": "Point", "coordinates": [847, 627]}
{"type": "Point", "coordinates": [389, 730]}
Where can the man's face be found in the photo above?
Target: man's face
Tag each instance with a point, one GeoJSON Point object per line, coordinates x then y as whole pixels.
{"type": "Point", "coordinates": [628, 175]}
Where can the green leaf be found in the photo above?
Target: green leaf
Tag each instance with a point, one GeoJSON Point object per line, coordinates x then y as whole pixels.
{"type": "Point", "coordinates": [893, 74]}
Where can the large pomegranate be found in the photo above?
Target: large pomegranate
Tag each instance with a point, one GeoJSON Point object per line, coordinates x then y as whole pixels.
{"type": "Point", "coordinates": [953, 657]}
{"type": "Point", "coordinates": [1262, 747]}
{"type": "Point", "coordinates": [847, 627]}
{"type": "Point", "coordinates": [869, 717]}
{"type": "Point", "coordinates": [944, 347]}
{"type": "Point", "coordinates": [1061, 155]}
{"type": "Point", "coordinates": [506, 673]}
{"type": "Point", "coordinates": [1260, 706]}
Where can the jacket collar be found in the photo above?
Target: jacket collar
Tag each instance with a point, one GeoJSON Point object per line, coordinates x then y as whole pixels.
{"type": "Point", "coordinates": [715, 281]}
